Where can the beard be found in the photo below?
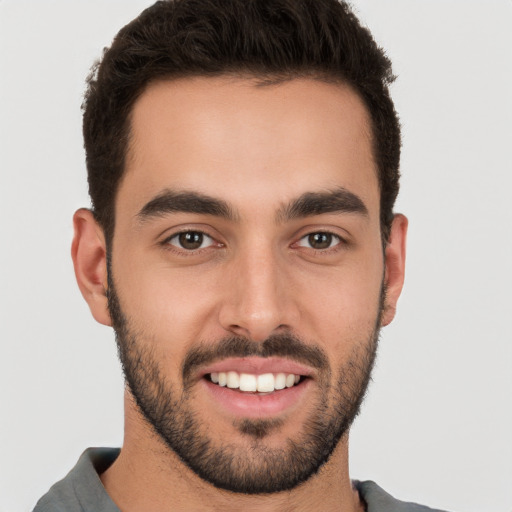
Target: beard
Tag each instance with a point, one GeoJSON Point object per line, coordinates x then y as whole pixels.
{"type": "Point", "coordinates": [260, 468]}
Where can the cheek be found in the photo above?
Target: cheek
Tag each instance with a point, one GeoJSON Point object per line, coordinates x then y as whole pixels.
{"type": "Point", "coordinates": [178, 307]}
{"type": "Point", "coordinates": [342, 305]}
{"type": "Point", "coordinates": [169, 306]}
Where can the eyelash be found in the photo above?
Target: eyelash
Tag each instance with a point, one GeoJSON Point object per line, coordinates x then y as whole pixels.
{"type": "Point", "coordinates": [183, 251]}
{"type": "Point", "coordinates": [333, 238]}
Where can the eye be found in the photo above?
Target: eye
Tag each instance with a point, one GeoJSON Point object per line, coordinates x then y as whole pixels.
{"type": "Point", "coordinates": [191, 240]}
{"type": "Point", "coordinates": [319, 241]}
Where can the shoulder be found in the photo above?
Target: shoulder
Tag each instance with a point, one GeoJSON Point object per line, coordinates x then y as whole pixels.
{"type": "Point", "coordinates": [60, 498]}
{"type": "Point", "coordinates": [81, 489]}
{"type": "Point", "coordinates": [378, 500]}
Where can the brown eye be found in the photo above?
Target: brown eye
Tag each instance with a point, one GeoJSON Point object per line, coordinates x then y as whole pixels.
{"type": "Point", "coordinates": [191, 240]}
{"type": "Point", "coordinates": [319, 241]}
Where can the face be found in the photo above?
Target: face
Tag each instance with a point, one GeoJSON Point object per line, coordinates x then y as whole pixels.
{"type": "Point", "coordinates": [247, 273]}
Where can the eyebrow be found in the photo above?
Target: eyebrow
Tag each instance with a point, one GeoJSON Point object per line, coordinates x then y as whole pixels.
{"type": "Point", "coordinates": [170, 201]}
{"type": "Point", "coordinates": [339, 200]}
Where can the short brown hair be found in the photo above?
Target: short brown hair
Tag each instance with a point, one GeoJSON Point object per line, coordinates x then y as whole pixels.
{"type": "Point", "coordinates": [272, 40]}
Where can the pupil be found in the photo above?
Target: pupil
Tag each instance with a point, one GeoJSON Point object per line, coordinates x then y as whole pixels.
{"type": "Point", "coordinates": [191, 240]}
{"type": "Point", "coordinates": [320, 240]}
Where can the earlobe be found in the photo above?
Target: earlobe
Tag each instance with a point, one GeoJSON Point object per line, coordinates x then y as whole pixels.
{"type": "Point", "coordinates": [89, 254]}
{"type": "Point", "coordinates": [395, 266]}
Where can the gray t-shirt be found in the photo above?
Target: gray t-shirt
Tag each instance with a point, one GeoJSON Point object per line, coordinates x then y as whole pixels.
{"type": "Point", "coordinates": [82, 491]}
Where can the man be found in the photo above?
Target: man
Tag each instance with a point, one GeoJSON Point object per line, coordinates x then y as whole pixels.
{"type": "Point", "coordinates": [243, 165]}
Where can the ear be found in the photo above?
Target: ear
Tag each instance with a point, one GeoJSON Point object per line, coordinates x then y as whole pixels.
{"type": "Point", "coordinates": [89, 254]}
{"type": "Point", "coordinates": [395, 266]}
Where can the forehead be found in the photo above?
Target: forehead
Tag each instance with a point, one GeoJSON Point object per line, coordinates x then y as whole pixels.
{"type": "Point", "coordinates": [231, 138]}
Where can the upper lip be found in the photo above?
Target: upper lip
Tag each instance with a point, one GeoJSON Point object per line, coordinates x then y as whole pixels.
{"type": "Point", "coordinates": [257, 366]}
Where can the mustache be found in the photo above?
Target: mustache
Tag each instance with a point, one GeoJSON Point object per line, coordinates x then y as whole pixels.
{"type": "Point", "coordinates": [279, 345]}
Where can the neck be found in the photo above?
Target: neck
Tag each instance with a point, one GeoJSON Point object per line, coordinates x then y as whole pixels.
{"type": "Point", "coordinates": [149, 477]}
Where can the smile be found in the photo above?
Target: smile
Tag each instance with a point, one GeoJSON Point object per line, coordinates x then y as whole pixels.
{"type": "Point", "coordinates": [256, 387]}
{"type": "Point", "coordinates": [246, 382]}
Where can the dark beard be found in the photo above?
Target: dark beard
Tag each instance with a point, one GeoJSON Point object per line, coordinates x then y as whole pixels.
{"type": "Point", "coordinates": [260, 469]}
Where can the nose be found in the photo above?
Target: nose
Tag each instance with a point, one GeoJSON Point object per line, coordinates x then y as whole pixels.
{"type": "Point", "coordinates": [258, 301]}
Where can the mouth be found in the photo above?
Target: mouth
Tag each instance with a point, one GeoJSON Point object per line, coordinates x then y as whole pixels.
{"type": "Point", "coordinates": [251, 383]}
{"type": "Point", "coordinates": [256, 387]}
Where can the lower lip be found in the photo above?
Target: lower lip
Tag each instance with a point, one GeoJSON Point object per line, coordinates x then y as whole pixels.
{"type": "Point", "coordinates": [255, 405]}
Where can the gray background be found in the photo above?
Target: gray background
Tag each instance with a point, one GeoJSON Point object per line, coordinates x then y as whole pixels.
{"type": "Point", "coordinates": [437, 424]}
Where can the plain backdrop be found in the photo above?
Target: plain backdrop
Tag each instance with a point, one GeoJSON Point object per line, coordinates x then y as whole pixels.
{"type": "Point", "coordinates": [436, 427]}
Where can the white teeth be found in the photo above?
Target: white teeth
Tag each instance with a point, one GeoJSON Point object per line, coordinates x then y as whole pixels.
{"type": "Point", "coordinates": [290, 380]}
{"type": "Point", "coordinates": [248, 382]}
{"type": "Point", "coordinates": [280, 381]}
{"type": "Point", "coordinates": [264, 383]}
{"type": "Point", "coordinates": [233, 380]}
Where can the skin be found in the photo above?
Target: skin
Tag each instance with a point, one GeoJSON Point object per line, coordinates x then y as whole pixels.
{"type": "Point", "coordinates": [257, 149]}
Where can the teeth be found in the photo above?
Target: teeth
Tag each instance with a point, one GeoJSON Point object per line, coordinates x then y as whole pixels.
{"type": "Point", "coordinates": [248, 382]}
{"type": "Point", "coordinates": [265, 383]}
{"type": "Point", "coordinates": [290, 380]}
{"type": "Point", "coordinates": [233, 380]}
{"type": "Point", "coordinates": [280, 381]}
